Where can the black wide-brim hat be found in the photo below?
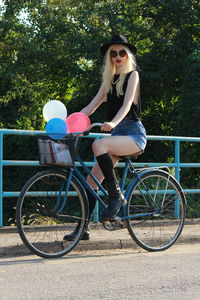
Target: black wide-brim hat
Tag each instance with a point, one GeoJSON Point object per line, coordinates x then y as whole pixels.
{"type": "Point", "coordinates": [118, 39]}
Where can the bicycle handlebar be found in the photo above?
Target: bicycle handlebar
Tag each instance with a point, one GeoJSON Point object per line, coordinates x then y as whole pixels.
{"type": "Point", "coordinates": [93, 125]}
{"type": "Point", "coordinates": [86, 132]}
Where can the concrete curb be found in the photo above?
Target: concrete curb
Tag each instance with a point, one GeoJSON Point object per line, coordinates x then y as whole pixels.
{"type": "Point", "coordinates": [83, 246]}
{"type": "Point", "coordinates": [12, 246]}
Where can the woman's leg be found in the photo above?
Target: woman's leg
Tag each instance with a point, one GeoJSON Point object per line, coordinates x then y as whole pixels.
{"type": "Point", "coordinates": [115, 145]}
{"type": "Point", "coordinates": [96, 171]}
{"type": "Point", "coordinates": [104, 149]}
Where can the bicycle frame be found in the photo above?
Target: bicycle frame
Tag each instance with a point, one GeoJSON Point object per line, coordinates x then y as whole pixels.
{"type": "Point", "coordinates": [128, 169]}
{"type": "Point", "coordinates": [74, 172]}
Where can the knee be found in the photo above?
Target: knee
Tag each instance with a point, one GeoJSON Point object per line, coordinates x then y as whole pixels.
{"type": "Point", "coordinates": [98, 147]}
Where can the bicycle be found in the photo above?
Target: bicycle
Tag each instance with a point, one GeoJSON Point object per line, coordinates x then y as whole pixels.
{"type": "Point", "coordinates": [53, 203]}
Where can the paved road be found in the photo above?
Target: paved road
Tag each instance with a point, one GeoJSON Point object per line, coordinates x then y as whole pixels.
{"type": "Point", "coordinates": [110, 274]}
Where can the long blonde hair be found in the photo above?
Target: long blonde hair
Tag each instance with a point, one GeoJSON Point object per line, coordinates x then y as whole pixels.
{"type": "Point", "coordinates": [109, 70]}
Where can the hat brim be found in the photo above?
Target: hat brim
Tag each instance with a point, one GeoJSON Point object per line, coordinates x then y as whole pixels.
{"type": "Point", "coordinates": [104, 48]}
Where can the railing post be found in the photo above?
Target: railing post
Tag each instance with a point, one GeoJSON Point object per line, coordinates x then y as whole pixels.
{"type": "Point", "coordinates": [1, 179]}
{"type": "Point", "coordinates": [177, 174]}
{"type": "Point", "coordinates": [177, 160]}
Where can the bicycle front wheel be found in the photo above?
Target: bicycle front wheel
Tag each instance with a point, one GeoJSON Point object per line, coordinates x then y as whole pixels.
{"type": "Point", "coordinates": [155, 210]}
{"type": "Point", "coordinates": [51, 206]}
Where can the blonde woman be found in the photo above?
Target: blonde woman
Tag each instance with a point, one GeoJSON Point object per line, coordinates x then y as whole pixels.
{"type": "Point", "coordinates": [120, 89]}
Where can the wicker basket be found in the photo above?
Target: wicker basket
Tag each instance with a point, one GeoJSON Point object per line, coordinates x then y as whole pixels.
{"type": "Point", "coordinates": [57, 152]}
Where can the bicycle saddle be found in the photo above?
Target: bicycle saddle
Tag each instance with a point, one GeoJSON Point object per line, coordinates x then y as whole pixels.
{"type": "Point", "coordinates": [131, 156]}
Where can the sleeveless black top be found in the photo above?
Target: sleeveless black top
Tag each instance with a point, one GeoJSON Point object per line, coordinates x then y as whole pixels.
{"type": "Point", "coordinates": [114, 103]}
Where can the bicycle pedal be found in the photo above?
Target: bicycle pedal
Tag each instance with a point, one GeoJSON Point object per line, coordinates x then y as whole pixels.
{"type": "Point", "coordinates": [114, 224]}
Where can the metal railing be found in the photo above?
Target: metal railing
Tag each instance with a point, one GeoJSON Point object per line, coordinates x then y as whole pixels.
{"type": "Point", "coordinates": [177, 164]}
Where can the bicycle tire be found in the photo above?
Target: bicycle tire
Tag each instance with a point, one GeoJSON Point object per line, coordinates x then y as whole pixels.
{"type": "Point", "coordinates": [155, 210]}
{"type": "Point", "coordinates": [44, 216]}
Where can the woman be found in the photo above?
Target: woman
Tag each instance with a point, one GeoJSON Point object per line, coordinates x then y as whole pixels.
{"type": "Point", "coordinates": [120, 88]}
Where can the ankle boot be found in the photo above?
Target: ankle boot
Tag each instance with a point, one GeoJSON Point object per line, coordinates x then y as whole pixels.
{"type": "Point", "coordinates": [72, 236]}
{"type": "Point", "coordinates": [116, 200]}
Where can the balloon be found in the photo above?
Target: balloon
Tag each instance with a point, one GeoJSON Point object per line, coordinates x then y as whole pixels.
{"type": "Point", "coordinates": [77, 122]}
{"type": "Point", "coordinates": [54, 109]}
{"type": "Point", "coordinates": [56, 128]}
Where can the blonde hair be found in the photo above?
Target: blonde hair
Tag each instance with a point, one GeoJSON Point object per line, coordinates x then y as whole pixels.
{"type": "Point", "coordinates": [109, 70]}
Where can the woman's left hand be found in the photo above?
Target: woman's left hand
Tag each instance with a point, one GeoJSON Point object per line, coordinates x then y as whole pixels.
{"type": "Point", "coordinates": [107, 126]}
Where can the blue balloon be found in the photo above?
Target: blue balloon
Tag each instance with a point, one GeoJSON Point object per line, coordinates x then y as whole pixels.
{"type": "Point", "coordinates": [56, 128]}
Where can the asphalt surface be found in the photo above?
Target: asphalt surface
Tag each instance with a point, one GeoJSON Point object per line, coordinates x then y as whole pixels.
{"type": "Point", "coordinates": [100, 239]}
{"type": "Point", "coordinates": [124, 274]}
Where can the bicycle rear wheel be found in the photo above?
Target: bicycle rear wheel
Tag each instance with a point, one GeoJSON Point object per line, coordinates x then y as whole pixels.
{"type": "Point", "coordinates": [155, 210]}
{"type": "Point", "coordinates": [46, 213]}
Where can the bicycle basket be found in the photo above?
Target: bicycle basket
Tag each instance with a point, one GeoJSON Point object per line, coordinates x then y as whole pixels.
{"type": "Point", "coordinates": [57, 152]}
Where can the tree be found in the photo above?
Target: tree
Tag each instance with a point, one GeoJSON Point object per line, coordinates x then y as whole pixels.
{"type": "Point", "coordinates": [49, 49]}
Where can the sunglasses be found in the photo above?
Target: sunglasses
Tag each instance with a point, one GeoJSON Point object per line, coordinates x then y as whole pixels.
{"type": "Point", "coordinates": [113, 53]}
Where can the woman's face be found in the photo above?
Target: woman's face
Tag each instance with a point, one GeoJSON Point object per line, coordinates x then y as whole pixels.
{"type": "Point", "coordinates": [118, 55]}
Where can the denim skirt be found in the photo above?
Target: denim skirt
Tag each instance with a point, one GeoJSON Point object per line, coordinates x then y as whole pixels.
{"type": "Point", "coordinates": [134, 129]}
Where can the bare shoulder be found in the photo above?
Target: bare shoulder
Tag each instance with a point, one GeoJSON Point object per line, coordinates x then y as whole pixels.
{"type": "Point", "coordinates": [134, 78]}
{"type": "Point", "coordinates": [134, 75]}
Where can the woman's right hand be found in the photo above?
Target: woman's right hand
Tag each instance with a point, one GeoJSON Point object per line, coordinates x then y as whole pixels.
{"type": "Point", "coordinates": [107, 126]}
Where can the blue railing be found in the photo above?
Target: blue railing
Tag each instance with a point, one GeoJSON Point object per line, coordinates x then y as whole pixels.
{"type": "Point", "coordinates": [177, 164]}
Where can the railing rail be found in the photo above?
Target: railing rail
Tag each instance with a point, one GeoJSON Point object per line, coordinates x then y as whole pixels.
{"type": "Point", "coordinates": [177, 164]}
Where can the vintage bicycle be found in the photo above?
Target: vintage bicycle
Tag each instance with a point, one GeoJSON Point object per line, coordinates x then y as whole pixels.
{"type": "Point", "coordinates": [53, 203]}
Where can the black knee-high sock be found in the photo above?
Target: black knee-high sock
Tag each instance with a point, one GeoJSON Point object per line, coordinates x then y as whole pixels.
{"type": "Point", "coordinates": [106, 165]}
{"type": "Point", "coordinates": [107, 168]}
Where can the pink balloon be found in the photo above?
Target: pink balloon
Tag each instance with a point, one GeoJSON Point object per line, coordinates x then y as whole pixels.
{"type": "Point", "coordinates": [77, 122]}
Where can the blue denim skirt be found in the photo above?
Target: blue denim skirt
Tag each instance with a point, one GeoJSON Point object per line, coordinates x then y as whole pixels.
{"type": "Point", "coordinates": [134, 129]}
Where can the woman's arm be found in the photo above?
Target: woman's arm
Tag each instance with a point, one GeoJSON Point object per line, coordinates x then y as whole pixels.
{"type": "Point", "coordinates": [96, 102]}
{"type": "Point", "coordinates": [131, 96]}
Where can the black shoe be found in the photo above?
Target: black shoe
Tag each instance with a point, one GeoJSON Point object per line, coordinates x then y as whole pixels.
{"type": "Point", "coordinates": [72, 236]}
{"type": "Point", "coordinates": [113, 208]}
{"type": "Point", "coordinates": [116, 200]}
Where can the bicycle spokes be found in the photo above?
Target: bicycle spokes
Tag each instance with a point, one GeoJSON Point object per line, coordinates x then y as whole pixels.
{"type": "Point", "coordinates": [152, 209]}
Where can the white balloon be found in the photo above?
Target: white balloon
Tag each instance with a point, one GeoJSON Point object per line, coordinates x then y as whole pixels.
{"type": "Point", "coordinates": [54, 109]}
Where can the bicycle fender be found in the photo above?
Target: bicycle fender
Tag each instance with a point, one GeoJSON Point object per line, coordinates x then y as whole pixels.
{"type": "Point", "coordinates": [139, 175]}
{"type": "Point", "coordinates": [173, 178]}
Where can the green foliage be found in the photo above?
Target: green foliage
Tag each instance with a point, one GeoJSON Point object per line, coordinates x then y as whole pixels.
{"type": "Point", "coordinates": [49, 49]}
